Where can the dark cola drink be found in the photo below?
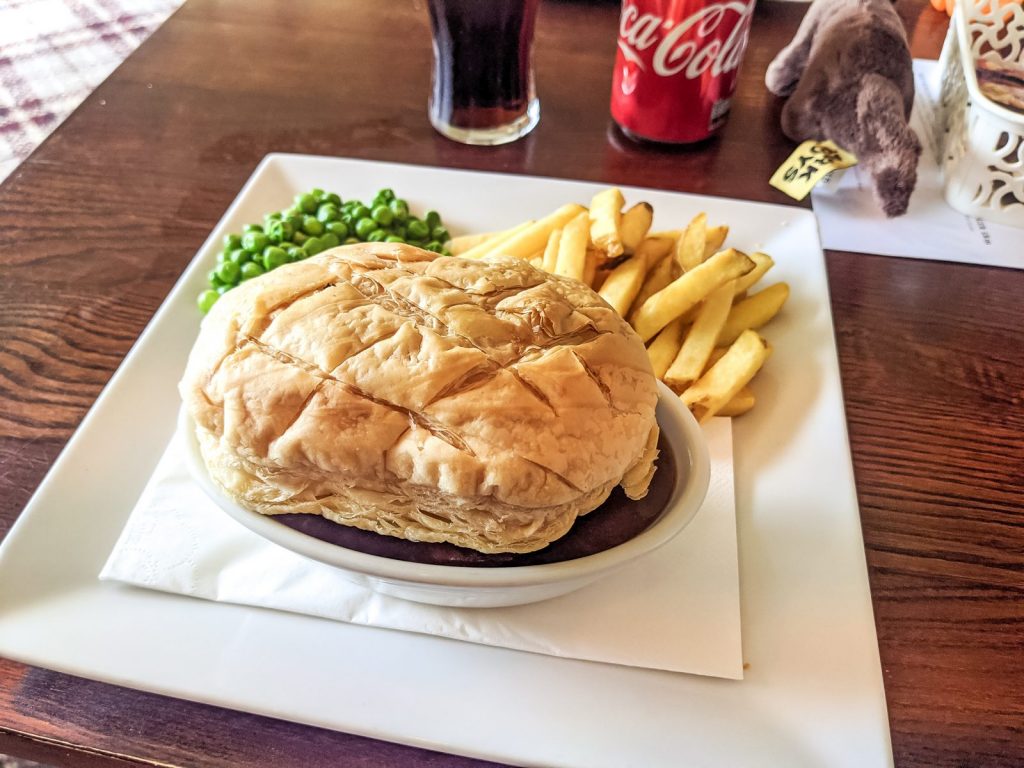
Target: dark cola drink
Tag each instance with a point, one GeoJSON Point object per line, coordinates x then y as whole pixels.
{"type": "Point", "coordinates": [482, 90]}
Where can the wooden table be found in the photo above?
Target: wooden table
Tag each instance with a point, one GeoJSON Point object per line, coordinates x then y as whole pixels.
{"type": "Point", "coordinates": [98, 223]}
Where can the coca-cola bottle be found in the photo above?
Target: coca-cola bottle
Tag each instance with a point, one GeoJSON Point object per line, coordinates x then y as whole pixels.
{"type": "Point", "coordinates": [676, 67]}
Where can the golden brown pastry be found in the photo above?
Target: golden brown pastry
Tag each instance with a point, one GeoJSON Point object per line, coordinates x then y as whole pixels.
{"type": "Point", "coordinates": [482, 403]}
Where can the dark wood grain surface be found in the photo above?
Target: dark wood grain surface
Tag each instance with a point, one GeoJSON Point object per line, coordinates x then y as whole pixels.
{"type": "Point", "coordinates": [98, 223]}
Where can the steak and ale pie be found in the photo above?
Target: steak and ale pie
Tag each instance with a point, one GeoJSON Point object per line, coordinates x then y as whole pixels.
{"type": "Point", "coordinates": [484, 403]}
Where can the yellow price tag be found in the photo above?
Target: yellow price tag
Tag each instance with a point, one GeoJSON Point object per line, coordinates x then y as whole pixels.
{"type": "Point", "coordinates": [810, 163]}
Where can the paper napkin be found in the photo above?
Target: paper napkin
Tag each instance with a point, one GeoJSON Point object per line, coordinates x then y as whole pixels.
{"type": "Point", "coordinates": [676, 609]}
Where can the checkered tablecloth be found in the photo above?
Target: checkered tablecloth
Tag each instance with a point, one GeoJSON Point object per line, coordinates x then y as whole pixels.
{"type": "Point", "coordinates": [53, 53]}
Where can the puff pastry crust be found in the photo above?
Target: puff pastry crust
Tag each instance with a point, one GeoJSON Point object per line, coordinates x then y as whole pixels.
{"type": "Point", "coordinates": [482, 403]}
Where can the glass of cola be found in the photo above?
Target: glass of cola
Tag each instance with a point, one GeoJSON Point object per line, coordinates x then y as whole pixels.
{"type": "Point", "coordinates": [482, 89]}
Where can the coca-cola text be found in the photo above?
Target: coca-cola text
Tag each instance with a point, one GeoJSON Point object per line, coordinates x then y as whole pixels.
{"type": "Point", "coordinates": [661, 90]}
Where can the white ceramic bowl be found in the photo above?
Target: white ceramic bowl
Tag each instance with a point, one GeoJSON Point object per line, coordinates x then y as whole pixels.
{"type": "Point", "coordinates": [465, 586]}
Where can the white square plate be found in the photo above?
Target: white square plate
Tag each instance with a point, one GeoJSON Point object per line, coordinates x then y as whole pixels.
{"type": "Point", "coordinates": [813, 691]}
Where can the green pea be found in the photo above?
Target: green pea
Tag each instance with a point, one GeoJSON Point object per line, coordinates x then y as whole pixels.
{"type": "Point", "coordinates": [300, 238]}
{"type": "Point", "coordinates": [360, 212]}
{"type": "Point", "coordinates": [394, 239]}
{"type": "Point", "coordinates": [313, 246]}
{"type": "Point", "coordinates": [433, 219]}
{"type": "Point", "coordinates": [398, 230]}
{"type": "Point", "coordinates": [312, 226]}
{"type": "Point", "coordinates": [327, 212]}
{"type": "Point", "coordinates": [376, 236]}
{"type": "Point", "coordinates": [364, 227]}
{"type": "Point", "coordinates": [296, 221]}
{"type": "Point", "coordinates": [212, 279]}
{"type": "Point", "coordinates": [228, 272]}
{"type": "Point", "coordinates": [271, 217]}
{"type": "Point", "coordinates": [222, 289]}
{"type": "Point", "coordinates": [330, 240]}
{"type": "Point", "coordinates": [254, 242]}
{"type": "Point", "coordinates": [433, 245]}
{"type": "Point", "coordinates": [250, 270]}
{"type": "Point", "coordinates": [239, 256]}
{"type": "Point", "coordinates": [332, 198]}
{"type": "Point", "coordinates": [222, 257]}
{"type": "Point", "coordinates": [350, 241]}
{"type": "Point", "coordinates": [280, 231]}
{"type": "Point", "coordinates": [296, 254]}
{"type": "Point", "coordinates": [386, 194]}
{"type": "Point", "coordinates": [317, 192]}
{"type": "Point", "coordinates": [207, 299]}
{"type": "Point", "coordinates": [417, 230]}
{"type": "Point", "coordinates": [339, 229]}
{"type": "Point", "coordinates": [383, 215]}
{"type": "Point", "coordinates": [400, 208]}
{"type": "Point", "coordinates": [231, 242]}
{"type": "Point", "coordinates": [251, 228]}
{"type": "Point", "coordinates": [445, 252]}
{"type": "Point", "coordinates": [440, 234]}
{"type": "Point", "coordinates": [274, 257]}
{"type": "Point", "coordinates": [305, 203]}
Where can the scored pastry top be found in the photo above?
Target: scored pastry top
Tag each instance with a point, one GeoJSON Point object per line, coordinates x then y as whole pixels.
{"type": "Point", "coordinates": [385, 368]}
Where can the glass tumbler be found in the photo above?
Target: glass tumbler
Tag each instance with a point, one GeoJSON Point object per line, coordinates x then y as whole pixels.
{"type": "Point", "coordinates": [482, 88]}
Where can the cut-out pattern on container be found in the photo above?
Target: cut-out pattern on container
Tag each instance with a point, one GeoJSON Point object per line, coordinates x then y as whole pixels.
{"type": "Point", "coordinates": [981, 142]}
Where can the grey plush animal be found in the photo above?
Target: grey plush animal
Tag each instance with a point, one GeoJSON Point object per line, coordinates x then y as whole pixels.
{"type": "Point", "coordinates": [848, 77]}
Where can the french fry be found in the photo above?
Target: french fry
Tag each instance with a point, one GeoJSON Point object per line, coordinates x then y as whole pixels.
{"type": "Point", "coordinates": [723, 381]}
{"type": "Point", "coordinates": [653, 249]}
{"type": "Point", "coordinates": [551, 251]}
{"type": "Point", "coordinates": [741, 402]}
{"type": "Point", "coordinates": [462, 243]}
{"type": "Point", "coordinates": [590, 266]}
{"type": "Point", "coordinates": [684, 293]}
{"type": "Point", "coordinates": [753, 312]}
{"type": "Point", "coordinates": [714, 239]}
{"type": "Point", "coordinates": [762, 263]}
{"type": "Point", "coordinates": [716, 355]}
{"type": "Point", "coordinates": [481, 248]}
{"type": "Point", "coordinates": [664, 348]}
{"type": "Point", "coordinates": [572, 247]}
{"type": "Point", "coordinates": [623, 283]}
{"type": "Point", "coordinates": [635, 223]}
{"type": "Point", "coordinates": [700, 341]}
{"type": "Point", "coordinates": [534, 237]}
{"type": "Point", "coordinates": [605, 218]}
{"type": "Point", "coordinates": [537, 261]}
{"type": "Point", "coordinates": [670, 234]}
{"type": "Point", "coordinates": [690, 247]}
{"type": "Point", "coordinates": [657, 278]}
